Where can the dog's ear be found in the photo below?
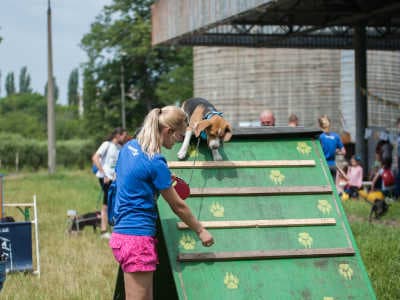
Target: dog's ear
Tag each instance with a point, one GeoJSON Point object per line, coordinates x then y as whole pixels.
{"type": "Point", "coordinates": [199, 127]}
{"type": "Point", "coordinates": [228, 133]}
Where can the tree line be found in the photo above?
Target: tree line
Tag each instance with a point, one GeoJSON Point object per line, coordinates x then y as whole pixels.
{"type": "Point", "coordinates": [118, 47]}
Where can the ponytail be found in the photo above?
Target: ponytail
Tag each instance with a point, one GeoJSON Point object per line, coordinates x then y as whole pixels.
{"type": "Point", "coordinates": [149, 137]}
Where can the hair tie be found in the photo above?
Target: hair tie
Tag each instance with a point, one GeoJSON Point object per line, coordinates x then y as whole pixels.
{"type": "Point", "coordinates": [159, 111]}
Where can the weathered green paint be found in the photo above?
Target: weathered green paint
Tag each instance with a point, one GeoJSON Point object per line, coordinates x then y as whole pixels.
{"type": "Point", "coordinates": [289, 278]}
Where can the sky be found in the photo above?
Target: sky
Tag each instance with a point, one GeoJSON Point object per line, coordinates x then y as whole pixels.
{"type": "Point", "coordinates": [23, 27]}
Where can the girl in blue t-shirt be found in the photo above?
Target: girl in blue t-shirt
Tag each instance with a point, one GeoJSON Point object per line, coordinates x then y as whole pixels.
{"type": "Point", "coordinates": [142, 174]}
{"type": "Point", "coordinates": [331, 144]}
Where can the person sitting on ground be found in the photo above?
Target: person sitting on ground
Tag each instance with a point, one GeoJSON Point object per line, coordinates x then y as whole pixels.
{"type": "Point", "coordinates": [386, 178]}
{"type": "Point", "coordinates": [384, 151]}
{"type": "Point", "coordinates": [354, 177]}
{"type": "Point", "coordinates": [267, 118]}
{"type": "Point", "coordinates": [293, 121]}
{"type": "Point", "coordinates": [331, 144]}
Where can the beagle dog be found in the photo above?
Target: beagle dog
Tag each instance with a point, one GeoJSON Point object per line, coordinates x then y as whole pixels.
{"type": "Point", "coordinates": [205, 121]}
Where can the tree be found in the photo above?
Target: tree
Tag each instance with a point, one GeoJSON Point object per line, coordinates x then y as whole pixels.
{"type": "Point", "coordinates": [73, 83]}
{"type": "Point", "coordinates": [10, 85]}
{"type": "Point", "coordinates": [55, 90]}
{"type": "Point", "coordinates": [24, 81]}
{"type": "Point", "coordinates": [121, 36]}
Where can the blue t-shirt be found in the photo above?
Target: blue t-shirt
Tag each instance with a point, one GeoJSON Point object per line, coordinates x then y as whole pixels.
{"type": "Point", "coordinates": [330, 142]}
{"type": "Point", "coordinates": [139, 180]}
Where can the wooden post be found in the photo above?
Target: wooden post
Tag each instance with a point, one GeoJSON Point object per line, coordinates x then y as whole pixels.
{"type": "Point", "coordinates": [51, 127]}
{"type": "Point", "coordinates": [17, 161]}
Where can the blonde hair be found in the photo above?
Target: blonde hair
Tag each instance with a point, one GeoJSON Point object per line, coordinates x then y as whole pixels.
{"type": "Point", "coordinates": [149, 136]}
{"type": "Point", "coordinates": [324, 122]}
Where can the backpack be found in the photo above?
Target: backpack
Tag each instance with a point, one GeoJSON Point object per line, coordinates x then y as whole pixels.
{"type": "Point", "coordinates": [112, 193]}
{"type": "Point", "coordinates": [387, 177]}
{"type": "Point", "coordinates": [94, 167]}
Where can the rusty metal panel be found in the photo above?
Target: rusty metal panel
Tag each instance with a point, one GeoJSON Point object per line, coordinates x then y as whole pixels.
{"type": "Point", "coordinates": [174, 18]}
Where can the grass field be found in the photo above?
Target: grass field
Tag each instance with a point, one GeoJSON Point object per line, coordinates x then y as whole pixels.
{"type": "Point", "coordinates": [82, 267]}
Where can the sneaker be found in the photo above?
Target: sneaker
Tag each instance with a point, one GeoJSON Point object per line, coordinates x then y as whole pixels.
{"type": "Point", "coordinates": [105, 235]}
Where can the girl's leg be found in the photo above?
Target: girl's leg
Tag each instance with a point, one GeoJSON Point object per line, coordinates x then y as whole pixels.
{"type": "Point", "coordinates": [138, 286]}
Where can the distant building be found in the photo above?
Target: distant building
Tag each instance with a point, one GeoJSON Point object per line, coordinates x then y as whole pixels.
{"type": "Point", "coordinates": [242, 82]}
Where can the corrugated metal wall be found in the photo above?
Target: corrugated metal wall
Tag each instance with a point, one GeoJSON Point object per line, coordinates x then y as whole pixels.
{"type": "Point", "coordinates": [347, 92]}
{"type": "Point", "coordinates": [243, 81]}
{"type": "Point", "coordinates": [384, 84]}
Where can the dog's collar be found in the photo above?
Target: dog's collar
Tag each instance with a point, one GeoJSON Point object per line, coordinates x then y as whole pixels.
{"type": "Point", "coordinates": [208, 116]}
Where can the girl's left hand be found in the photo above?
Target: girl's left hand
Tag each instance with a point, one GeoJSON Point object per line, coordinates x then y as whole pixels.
{"type": "Point", "coordinates": [206, 237]}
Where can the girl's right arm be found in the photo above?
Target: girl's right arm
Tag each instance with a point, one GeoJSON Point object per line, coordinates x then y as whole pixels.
{"type": "Point", "coordinates": [183, 211]}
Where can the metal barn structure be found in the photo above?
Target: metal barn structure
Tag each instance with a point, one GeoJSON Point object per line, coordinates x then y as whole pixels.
{"type": "Point", "coordinates": [308, 82]}
{"type": "Point", "coordinates": [299, 24]}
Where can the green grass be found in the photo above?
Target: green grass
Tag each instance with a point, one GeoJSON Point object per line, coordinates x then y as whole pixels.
{"type": "Point", "coordinates": [379, 244]}
{"type": "Point", "coordinates": [82, 267]}
{"type": "Point", "coordinates": [72, 267]}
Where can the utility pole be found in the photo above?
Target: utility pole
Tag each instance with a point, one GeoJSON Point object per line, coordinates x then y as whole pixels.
{"type": "Point", "coordinates": [51, 128]}
{"type": "Point", "coordinates": [123, 118]}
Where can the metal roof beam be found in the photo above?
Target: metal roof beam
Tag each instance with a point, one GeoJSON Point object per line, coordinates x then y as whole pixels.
{"type": "Point", "coordinates": [179, 21]}
{"type": "Point", "coordinates": [271, 41]}
{"type": "Point", "coordinates": [177, 18]}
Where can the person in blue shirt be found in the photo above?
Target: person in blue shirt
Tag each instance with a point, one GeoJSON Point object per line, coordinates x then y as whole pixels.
{"type": "Point", "coordinates": [142, 174]}
{"type": "Point", "coordinates": [331, 144]}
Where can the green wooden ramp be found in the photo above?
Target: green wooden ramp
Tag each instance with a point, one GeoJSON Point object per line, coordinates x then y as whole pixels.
{"type": "Point", "coordinates": [279, 226]}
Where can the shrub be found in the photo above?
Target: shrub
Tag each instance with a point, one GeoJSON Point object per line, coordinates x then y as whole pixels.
{"type": "Point", "coordinates": [32, 154]}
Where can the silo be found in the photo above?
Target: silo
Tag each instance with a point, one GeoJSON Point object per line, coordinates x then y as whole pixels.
{"type": "Point", "coordinates": [308, 82]}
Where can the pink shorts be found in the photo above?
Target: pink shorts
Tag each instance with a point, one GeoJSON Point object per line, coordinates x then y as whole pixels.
{"type": "Point", "coordinates": [135, 253]}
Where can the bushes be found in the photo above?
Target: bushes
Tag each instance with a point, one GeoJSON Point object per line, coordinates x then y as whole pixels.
{"type": "Point", "coordinates": [32, 154]}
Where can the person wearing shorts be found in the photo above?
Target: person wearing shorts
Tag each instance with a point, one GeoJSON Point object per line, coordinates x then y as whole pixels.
{"type": "Point", "coordinates": [105, 159]}
{"type": "Point", "coordinates": [142, 174]}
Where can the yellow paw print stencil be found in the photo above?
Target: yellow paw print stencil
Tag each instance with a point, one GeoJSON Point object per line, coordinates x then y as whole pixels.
{"type": "Point", "coordinates": [346, 271]}
{"type": "Point", "coordinates": [324, 206]}
{"type": "Point", "coordinates": [192, 151]}
{"type": "Point", "coordinates": [276, 176]}
{"type": "Point", "coordinates": [217, 210]}
{"type": "Point", "coordinates": [329, 298]}
{"type": "Point", "coordinates": [231, 281]}
{"type": "Point", "coordinates": [187, 242]}
{"type": "Point", "coordinates": [303, 148]}
{"type": "Point", "coordinates": [305, 239]}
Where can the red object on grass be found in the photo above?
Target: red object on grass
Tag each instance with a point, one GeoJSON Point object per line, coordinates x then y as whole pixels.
{"type": "Point", "coordinates": [181, 187]}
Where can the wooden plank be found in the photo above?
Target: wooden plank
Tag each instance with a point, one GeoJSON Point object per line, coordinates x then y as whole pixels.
{"type": "Point", "coordinates": [240, 164]}
{"type": "Point", "coordinates": [260, 254]}
{"type": "Point", "coordinates": [19, 204]}
{"type": "Point", "coordinates": [262, 191]}
{"type": "Point", "coordinates": [263, 223]}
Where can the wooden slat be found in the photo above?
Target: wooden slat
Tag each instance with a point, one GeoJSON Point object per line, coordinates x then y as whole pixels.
{"type": "Point", "coordinates": [263, 223]}
{"type": "Point", "coordinates": [240, 164]}
{"type": "Point", "coordinates": [260, 254]}
{"type": "Point", "coordinates": [18, 204]}
{"type": "Point", "coordinates": [287, 190]}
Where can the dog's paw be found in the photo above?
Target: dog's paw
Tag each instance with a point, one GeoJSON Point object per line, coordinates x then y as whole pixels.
{"type": "Point", "coordinates": [215, 154]}
{"type": "Point", "coordinates": [218, 158]}
{"type": "Point", "coordinates": [181, 155]}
